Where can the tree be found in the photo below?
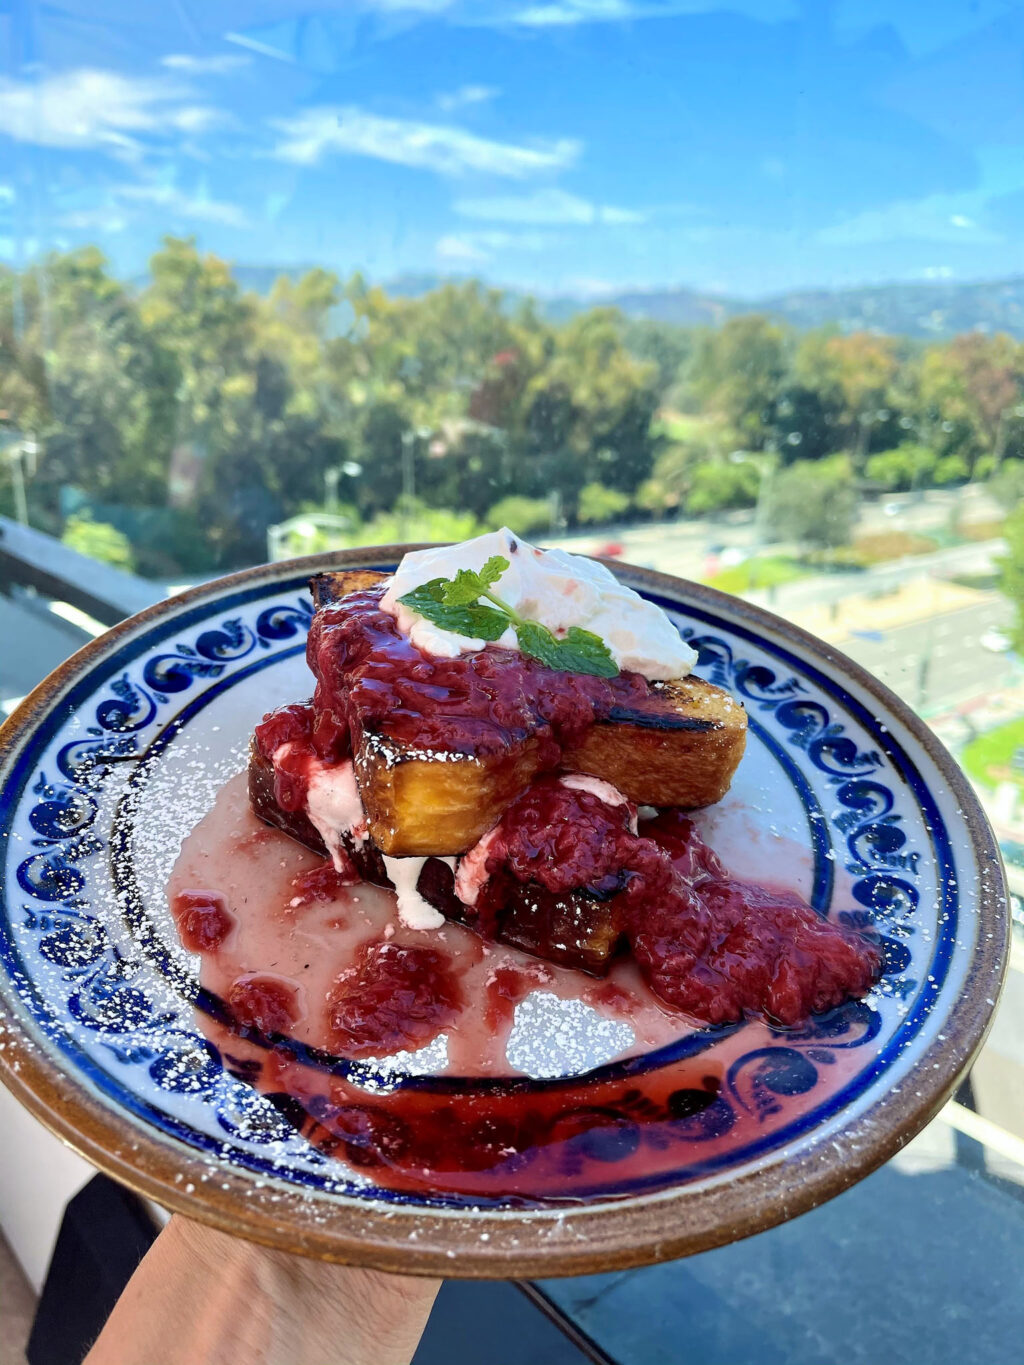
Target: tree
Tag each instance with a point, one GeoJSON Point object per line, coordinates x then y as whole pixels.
{"type": "Point", "coordinates": [739, 372]}
{"type": "Point", "coordinates": [99, 541]}
{"type": "Point", "coordinates": [717, 486]}
{"type": "Point", "coordinates": [972, 396]}
{"type": "Point", "coordinates": [814, 503]}
{"type": "Point", "coordinates": [854, 376]}
{"type": "Point", "coordinates": [1011, 570]}
{"type": "Point", "coordinates": [1007, 485]}
{"type": "Point", "coordinates": [519, 514]}
{"type": "Point", "coordinates": [906, 467]}
{"type": "Point", "coordinates": [599, 504]}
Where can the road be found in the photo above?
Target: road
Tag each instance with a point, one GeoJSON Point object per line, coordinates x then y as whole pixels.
{"type": "Point", "coordinates": [681, 547]}
{"type": "Point", "coordinates": [944, 654]}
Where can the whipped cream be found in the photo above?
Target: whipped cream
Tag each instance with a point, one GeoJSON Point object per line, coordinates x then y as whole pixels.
{"type": "Point", "coordinates": [413, 910]}
{"type": "Point", "coordinates": [550, 586]}
{"type": "Point", "coordinates": [332, 804]}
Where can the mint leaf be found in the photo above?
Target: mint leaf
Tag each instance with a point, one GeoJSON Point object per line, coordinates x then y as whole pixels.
{"type": "Point", "coordinates": [453, 604]}
{"type": "Point", "coordinates": [493, 569]}
{"type": "Point", "coordinates": [465, 588]}
{"type": "Point", "coordinates": [578, 651]}
{"type": "Point", "coordinates": [475, 622]}
{"type": "Point", "coordinates": [468, 585]}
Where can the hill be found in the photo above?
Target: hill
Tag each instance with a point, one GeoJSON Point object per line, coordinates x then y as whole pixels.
{"type": "Point", "coordinates": [930, 310]}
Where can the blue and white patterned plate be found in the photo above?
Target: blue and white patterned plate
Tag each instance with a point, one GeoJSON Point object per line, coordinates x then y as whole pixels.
{"type": "Point", "coordinates": [121, 751]}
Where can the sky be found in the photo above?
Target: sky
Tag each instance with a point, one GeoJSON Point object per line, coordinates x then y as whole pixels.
{"type": "Point", "coordinates": [559, 146]}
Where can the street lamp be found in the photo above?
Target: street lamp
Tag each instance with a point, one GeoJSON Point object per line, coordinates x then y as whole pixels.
{"type": "Point", "coordinates": [409, 438]}
{"type": "Point", "coordinates": [332, 477]}
{"type": "Point", "coordinates": [19, 451]}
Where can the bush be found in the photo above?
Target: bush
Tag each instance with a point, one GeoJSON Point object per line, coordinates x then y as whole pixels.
{"type": "Point", "coordinates": [905, 467]}
{"type": "Point", "coordinates": [519, 514]}
{"type": "Point", "coordinates": [99, 541]}
{"type": "Point", "coordinates": [1007, 484]}
{"type": "Point", "coordinates": [600, 504]}
{"type": "Point", "coordinates": [814, 502]}
{"type": "Point", "coordinates": [718, 486]}
{"type": "Point", "coordinates": [984, 467]}
{"type": "Point", "coordinates": [766, 571]}
{"type": "Point", "coordinates": [411, 520]}
{"type": "Point", "coordinates": [952, 469]}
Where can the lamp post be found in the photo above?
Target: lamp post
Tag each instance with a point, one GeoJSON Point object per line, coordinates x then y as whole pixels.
{"type": "Point", "coordinates": [409, 439]}
{"type": "Point", "coordinates": [332, 478]}
{"type": "Point", "coordinates": [18, 449]}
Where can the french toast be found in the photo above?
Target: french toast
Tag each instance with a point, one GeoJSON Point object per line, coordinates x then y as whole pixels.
{"type": "Point", "coordinates": [473, 744]}
{"type": "Point", "coordinates": [673, 743]}
{"type": "Point", "coordinates": [575, 929]}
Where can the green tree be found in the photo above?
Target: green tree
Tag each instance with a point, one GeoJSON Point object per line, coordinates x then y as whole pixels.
{"type": "Point", "coordinates": [719, 485]}
{"type": "Point", "coordinates": [739, 371]}
{"type": "Point", "coordinates": [1007, 484]}
{"type": "Point", "coordinates": [814, 503]}
{"type": "Point", "coordinates": [519, 514]}
{"type": "Point", "coordinates": [1011, 570]}
{"type": "Point", "coordinates": [906, 467]}
{"type": "Point", "coordinates": [853, 376]}
{"type": "Point", "coordinates": [99, 541]}
{"type": "Point", "coordinates": [972, 396]}
{"type": "Point", "coordinates": [600, 504]}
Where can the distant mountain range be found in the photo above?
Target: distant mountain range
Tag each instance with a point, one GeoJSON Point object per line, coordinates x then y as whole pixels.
{"type": "Point", "coordinates": [933, 309]}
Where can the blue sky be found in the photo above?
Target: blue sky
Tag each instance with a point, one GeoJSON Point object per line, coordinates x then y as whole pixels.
{"type": "Point", "coordinates": [556, 145]}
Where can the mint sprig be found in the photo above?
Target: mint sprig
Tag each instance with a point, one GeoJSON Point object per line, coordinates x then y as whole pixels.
{"type": "Point", "coordinates": [454, 604]}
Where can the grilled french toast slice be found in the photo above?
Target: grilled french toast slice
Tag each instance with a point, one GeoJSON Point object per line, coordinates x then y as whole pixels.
{"type": "Point", "coordinates": [680, 750]}
{"type": "Point", "coordinates": [575, 929]}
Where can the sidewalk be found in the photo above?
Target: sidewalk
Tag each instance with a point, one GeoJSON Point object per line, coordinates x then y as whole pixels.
{"type": "Point", "coordinates": [919, 600]}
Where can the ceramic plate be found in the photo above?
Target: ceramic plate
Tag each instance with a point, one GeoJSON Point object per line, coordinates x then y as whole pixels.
{"type": "Point", "coordinates": [842, 792]}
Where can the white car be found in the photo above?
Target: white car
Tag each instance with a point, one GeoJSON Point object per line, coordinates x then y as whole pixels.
{"type": "Point", "coordinates": [996, 640]}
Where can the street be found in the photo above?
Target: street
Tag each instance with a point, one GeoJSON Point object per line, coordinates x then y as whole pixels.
{"type": "Point", "coordinates": [935, 664]}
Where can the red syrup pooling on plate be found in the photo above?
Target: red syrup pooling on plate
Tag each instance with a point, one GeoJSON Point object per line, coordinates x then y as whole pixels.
{"type": "Point", "coordinates": [490, 1133]}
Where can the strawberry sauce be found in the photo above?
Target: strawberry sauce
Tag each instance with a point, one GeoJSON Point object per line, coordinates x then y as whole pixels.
{"type": "Point", "coordinates": [314, 972]}
{"type": "Point", "coordinates": [713, 947]}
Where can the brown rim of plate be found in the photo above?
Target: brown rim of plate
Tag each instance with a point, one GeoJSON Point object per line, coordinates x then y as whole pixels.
{"type": "Point", "coordinates": [616, 1234]}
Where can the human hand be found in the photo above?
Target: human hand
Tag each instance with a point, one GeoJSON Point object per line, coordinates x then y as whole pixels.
{"type": "Point", "coordinates": [203, 1298]}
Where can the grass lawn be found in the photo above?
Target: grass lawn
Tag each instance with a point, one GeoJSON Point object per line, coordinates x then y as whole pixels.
{"type": "Point", "coordinates": [767, 571]}
{"type": "Point", "coordinates": [988, 758]}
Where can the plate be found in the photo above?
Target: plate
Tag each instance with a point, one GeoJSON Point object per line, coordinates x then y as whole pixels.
{"type": "Point", "coordinates": [843, 791]}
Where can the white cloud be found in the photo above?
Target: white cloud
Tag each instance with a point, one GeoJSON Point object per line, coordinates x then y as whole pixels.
{"type": "Point", "coordinates": [7, 195]}
{"type": "Point", "coordinates": [465, 95]}
{"type": "Point", "coordinates": [934, 218]}
{"type": "Point", "coordinates": [435, 147]}
{"type": "Point", "coordinates": [197, 118]}
{"type": "Point", "coordinates": [545, 206]}
{"type": "Point", "coordinates": [458, 249]}
{"type": "Point", "coordinates": [182, 205]}
{"type": "Point", "coordinates": [565, 13]}
{"type": "Point", "coordinates": [481, 245]}
{"type": "Point", "coordinates": [94, 220]}
{"type": "Point", "coordinates": [94, 108]}
{"type": "Point", "coordinates": [204, 66]}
